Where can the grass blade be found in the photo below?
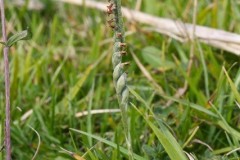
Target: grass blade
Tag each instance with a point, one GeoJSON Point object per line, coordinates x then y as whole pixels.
{"type": "Point", "coordinates": [184, 102]}
{"type": "Point", "coordinates": [169, 143]}
{"type": "Point", "coordinates": [75, 89]}
{"type": "Point", "coordinates": [23, 35]}
{"type": "Point", "coordinates": [114, 145]}
{"type": "Point", "coordinates": [233, 87]}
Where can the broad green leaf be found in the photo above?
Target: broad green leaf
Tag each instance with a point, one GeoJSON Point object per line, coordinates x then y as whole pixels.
{"type": "Point", "coordinates": [169, 143]}
{"type": "Point", "coordinates": [114, 145]}
{"type": "Point", "coordinates": [23, 35]}
{"type": "Point", "coordinates": [152, 56]}
{"type": "Point", "coordinates": [229, 129]}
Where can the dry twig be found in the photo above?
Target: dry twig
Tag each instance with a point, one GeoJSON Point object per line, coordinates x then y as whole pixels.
{"type": "Point", "coordinates": [176, 29]}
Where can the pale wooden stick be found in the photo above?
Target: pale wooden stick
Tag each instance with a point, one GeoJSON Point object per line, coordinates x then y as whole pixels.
{"type": "Point", "coordinates": [97, 111]}
{"type": "Point", "coordinates": [78, 114]}
{"type": "Point", "coordinates": [214, 37]}
{"type": "Point", "coordinates": [32, 4]}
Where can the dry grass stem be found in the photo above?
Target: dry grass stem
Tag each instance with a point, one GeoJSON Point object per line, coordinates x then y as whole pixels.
{"type": "Point", "coordinates": [78, 114]}
{"type": "Point", "coordinates": [174, 28]}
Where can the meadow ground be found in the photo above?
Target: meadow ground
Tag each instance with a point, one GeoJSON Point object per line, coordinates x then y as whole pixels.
{"type": "Point", "coordinates": [66, 69]}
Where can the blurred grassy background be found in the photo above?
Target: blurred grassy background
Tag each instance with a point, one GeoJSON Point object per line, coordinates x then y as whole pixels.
{"type": "Point", "coordinates": [66, 68]}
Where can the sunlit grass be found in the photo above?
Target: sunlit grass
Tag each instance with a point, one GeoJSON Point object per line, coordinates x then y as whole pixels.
{"type": "Point", "coordinates": [66, 68]}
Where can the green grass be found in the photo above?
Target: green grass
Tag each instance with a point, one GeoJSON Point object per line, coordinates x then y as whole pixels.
{"type": "Point", "coordinates": [66, 68]}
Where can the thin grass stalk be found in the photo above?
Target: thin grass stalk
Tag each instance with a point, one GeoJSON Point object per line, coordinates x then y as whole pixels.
{"type": "Point", "coordinates": [7, 85]}
{"type": "Point", "coordinates": [193, 39]}
{"type": "Point", "coordinates": [119, 76]}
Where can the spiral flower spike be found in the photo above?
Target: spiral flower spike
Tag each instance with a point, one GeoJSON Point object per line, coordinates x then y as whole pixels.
{"type": "Point", "coordinates": [119, 75]}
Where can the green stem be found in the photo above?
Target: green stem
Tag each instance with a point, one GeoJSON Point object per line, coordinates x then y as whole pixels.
{"type": "Point", "coordinates": [119, 76]}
